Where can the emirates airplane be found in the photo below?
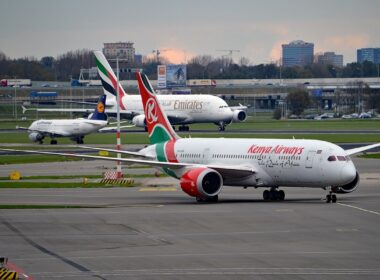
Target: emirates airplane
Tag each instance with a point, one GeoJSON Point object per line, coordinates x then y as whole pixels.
{"type": "Point", "coordinates": [180, 109]}
{"type": "Point", "coordinates": [204, 165]}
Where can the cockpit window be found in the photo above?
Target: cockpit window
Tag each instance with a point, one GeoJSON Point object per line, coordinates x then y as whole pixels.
{"type": "Point", "coordinates": [341, 158]}
{"type": "Point", "coordinates": [331, 158]}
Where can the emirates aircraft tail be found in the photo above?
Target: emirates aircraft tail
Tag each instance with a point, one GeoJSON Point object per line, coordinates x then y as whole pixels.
{"type": "Point", "coordinates": [159, 127]}
{"type": "Point", "coordinates": [108, 78]}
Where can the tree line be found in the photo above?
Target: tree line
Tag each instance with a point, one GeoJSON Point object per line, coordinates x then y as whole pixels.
{"type": "Point", "coordinates": [68, 65]}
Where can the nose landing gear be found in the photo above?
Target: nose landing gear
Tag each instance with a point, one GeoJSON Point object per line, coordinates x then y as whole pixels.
{"type": "Point", "coordinates": [331, 198]}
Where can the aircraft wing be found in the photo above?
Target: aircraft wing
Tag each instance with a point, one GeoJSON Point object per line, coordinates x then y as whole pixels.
{"type": "Point", "coordinates": [21, 128]}
{"type": "Point", "coordinates": [114, 128]}
{"type": "Point", "coordinates": [240, 107]}
{"type": "Point", "coordinates": [123, 113]}
{"type": "Point", "coordinates": [225, 171]}
{"type": "Point", "coordinates": [73, 110]}
{"type": "Point", "coordinates": [137, 154]}
{"type": "Point", "coordinates": [361, 149]}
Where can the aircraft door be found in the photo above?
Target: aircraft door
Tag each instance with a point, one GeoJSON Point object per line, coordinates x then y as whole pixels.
{"type": "Point", "coordinates": [206, 155]}
{"type": "Point", "coordinates": [309, 159]}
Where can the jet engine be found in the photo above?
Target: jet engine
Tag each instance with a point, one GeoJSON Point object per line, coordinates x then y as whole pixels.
{"type": "Point", "coordinates": [202, 183]}
{"type": "Point", "coordinates": [36, 137]}
{"type": "Point", "coordinates": [239, 116]}
{"type": "Point", "coordinates": [139, 121]}
{"type": "Point", "coordinates": [350, 187]}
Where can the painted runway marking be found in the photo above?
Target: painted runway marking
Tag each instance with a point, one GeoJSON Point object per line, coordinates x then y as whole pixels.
{"type": "Point", "coordinates": [154, 189]}
{"type": "Point", "coordinates": [360, 209]}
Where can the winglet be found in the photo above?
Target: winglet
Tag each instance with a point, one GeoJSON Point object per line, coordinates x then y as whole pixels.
{"type": "Point", "coordinates": [159, 127]}
{"type": "Point", "coordinates": [24, 109]}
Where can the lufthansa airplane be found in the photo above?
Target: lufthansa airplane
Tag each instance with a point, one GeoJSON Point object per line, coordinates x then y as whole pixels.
{"type": "Point", "coordinates": [76, 129]}
{"type": "Point", "coordinates": [204, 165]}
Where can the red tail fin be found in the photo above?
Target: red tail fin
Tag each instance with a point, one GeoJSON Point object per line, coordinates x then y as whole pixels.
{"type": "Point", "coordinates": [159, 127]}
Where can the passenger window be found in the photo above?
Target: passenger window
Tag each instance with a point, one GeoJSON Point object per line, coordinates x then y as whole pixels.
{"type": "Point", "coordinates": [341, 158]}
{"type": "Point", "coordinates": [331, 158]}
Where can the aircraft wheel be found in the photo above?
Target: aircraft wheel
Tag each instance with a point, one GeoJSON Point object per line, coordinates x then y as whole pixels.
{"type": "Point", "coordinates": [328, 198]}
{"type": "Point", "coordinates": [266, 195]}
{"type": "Point", "coordinates": [214, 198]}
{"type": "Point", "coordinates": [281, 195]}
{"type": "Point", "coordinates": [199, 199]}
{"type": "Point", "coordinates": [333, 198]}
{"type": "Point", "coordinates": [273, 195]}
{"type": "Point", "coordinates": [53, 142]}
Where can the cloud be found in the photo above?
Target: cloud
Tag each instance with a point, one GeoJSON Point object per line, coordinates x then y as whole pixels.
{"type": "Point", "coordinates": [276, 51]}
{"type": "Point", "coordinates": [346, 43]}
{"type": "Point", "coordinates": [173, 55]}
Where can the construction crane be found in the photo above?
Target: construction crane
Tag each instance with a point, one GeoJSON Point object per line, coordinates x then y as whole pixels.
{"type": "Point", "coordinates": [158, 52]}
{"type": "Point", "coordinates": [230, 52]}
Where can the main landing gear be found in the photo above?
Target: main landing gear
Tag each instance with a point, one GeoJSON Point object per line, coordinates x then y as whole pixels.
{"type": "Point", "coordinates": [211, 199]}
{"type": "Point", "coordinates": [80, 140]}
{"type": "Point", "coordinates": [331, 198]}
{"type": "Point", "coordinates": [222, 126]}
{"type": "Point", "coordinates": [53, 142]}
{"type": "Point", "coordinates": [273, 194]}
{"type": "Point", "coordinates": [184, 128]}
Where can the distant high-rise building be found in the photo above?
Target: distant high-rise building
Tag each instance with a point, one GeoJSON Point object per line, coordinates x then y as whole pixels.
{"type": "Point", "coordinates": [122, 50]}
{"type": "Point", "coordinates": [297, 53]}
{"type": "Point", "coordinates": [330, 58]}
{"type": "Point", "coordinates": [138, 59]}
{"type": "Point", "coordinates": [369, 54]}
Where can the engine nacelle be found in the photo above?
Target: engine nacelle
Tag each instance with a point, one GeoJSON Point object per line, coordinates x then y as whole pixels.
{"type": "Point", "coordinates": [239, 116]}
{"type": "Point", "coordinates": [139, 121]}
{"type": "Point", "coordinates": [350, 187]}
{"type": "Point", "coordinates": [36, 137]}
{"type": "Point", "coordinates": [202, 182]}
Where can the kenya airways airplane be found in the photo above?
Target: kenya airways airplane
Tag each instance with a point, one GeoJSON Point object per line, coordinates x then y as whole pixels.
{"type": "Point", "coordinates": [204, 165]}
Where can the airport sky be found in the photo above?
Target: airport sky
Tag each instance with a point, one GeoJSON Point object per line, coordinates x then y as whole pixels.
{"type": "Point", "coordinates": [198, 27]}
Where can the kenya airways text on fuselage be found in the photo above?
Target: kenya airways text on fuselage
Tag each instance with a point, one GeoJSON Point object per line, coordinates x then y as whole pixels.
{"type": "Point", "coordinates": [277, 162]}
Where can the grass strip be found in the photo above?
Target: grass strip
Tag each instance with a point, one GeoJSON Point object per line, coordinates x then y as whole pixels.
{"type": "Point", "coordinates": [375, 156]}
{"type": "Point", "coordinates": [17, 159]}
{"type": "Point", "coordinates": [31, 206]}
{"type": "Point", "coordinates": [47, 185]}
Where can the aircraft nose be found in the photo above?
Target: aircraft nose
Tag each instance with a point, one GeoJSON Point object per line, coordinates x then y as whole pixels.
{"type": "Point", "coordinates": [348, 173]}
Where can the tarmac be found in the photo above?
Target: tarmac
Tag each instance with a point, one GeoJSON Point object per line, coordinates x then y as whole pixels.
{"type": "Point", "coordinates": [158, 232]}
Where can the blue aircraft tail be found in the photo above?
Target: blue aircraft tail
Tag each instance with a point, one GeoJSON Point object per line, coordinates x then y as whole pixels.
{"type": "Point", "coordinates": [99, 112]}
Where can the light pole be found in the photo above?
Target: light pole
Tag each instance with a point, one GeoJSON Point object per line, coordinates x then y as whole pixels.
{"type": "Point", "coordinates": [15, 100]}
{"type": "Point", "coordinates": [119, 175]}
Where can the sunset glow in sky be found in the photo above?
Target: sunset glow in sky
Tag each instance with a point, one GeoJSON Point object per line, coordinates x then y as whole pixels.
{"type": "Point", "coordinates": [188, 28]}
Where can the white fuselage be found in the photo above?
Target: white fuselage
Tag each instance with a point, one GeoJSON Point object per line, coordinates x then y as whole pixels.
{"type": "Point", "coordinates": [189, 109]}
{"type": "Point", "coordinates": [67, 128]}
{"type": "Point", "coordinates": [276, 162]}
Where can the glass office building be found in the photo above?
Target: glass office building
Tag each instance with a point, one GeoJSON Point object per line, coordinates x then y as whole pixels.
{"type": "Point", "coordinates": [369, 54]}
{"type": "Point", "coordinates": [297, 53]}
